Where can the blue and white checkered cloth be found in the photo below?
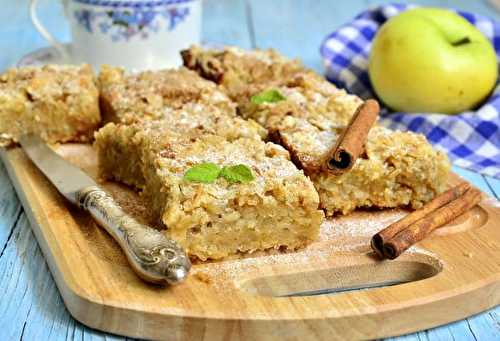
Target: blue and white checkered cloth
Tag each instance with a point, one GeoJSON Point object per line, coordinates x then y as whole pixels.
{"type": "Point", "coordinates": [471, 139]}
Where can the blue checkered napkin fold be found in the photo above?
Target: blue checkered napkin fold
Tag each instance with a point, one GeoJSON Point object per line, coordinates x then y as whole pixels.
{"type": "Point", "coordinates": [471, 139]}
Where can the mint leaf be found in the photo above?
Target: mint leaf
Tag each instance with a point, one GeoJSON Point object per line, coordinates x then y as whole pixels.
{"type": "Point", "coordinates": [238, 173]}
{"type": "Point", "coordinates": [268, 96]}
{"type": "Point", "coordinates": [203, 172]}
{"type": "Point", "coordinates": [209, 172]}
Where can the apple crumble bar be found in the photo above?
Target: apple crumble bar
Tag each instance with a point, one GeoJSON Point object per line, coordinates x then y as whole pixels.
{"type": "Point", "coordinates": [59, 103]}
{"type": "Point", "coordinates": [279, 208]}
{"type": "Point", "coordinates": [127, 98]}
{"type": "Point", "coordinates": [397, 169]}
{"type": "Point", "coordinates": [241, 73]}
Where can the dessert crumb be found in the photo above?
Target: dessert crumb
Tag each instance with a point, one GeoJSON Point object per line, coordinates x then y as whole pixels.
{"type": "Point", "coordinates": [468, 254]}
{"type": "Point", "coordinates": [202, 277]}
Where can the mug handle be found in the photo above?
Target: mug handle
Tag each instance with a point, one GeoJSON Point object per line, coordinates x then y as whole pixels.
{"type": "Point", "coordinates": [63, 51]}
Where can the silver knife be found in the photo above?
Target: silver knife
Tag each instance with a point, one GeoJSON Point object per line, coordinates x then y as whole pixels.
{"type": "Point", "coordinates": [152, 255]}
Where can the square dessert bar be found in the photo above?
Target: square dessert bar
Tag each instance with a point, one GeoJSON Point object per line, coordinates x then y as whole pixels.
{"type": "Point", "coordinates": [397, 169]}
{"type": "Point", "coordinates": [278, 209]}
{"type": "Point", "coordinates": [241, 73]}
{"type": "Point", "coordinates": [59, 103]}
{"type": "Point", "coordinates": [128, 98]}
{"type": "Point", "coordinates": [305, 96]}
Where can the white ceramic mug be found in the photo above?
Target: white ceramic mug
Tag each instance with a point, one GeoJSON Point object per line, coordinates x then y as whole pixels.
{"type": "Point", "coordinates": [135, 34]}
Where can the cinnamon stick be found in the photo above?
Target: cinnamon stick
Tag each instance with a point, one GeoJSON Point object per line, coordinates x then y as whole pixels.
{"type": "Point", "coordinates": [423, 227]}
{"type": "Point", "coordinates": [382, 237]}
{"type": "Point", "coordinates": [351, 142]}
{"type": "Point", "coordinates": [395, 239]}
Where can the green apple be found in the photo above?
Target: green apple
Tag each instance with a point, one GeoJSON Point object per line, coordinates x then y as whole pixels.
{"type": "Point", "coordinates": [431, 60]}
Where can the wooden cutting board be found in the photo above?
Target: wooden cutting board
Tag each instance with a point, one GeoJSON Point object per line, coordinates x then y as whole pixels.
{"type": "Point", "coordinates": [450, 276]}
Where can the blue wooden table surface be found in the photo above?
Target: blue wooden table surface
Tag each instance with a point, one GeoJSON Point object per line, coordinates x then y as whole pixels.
{"type": "Point", "coordinates": [30, 306]}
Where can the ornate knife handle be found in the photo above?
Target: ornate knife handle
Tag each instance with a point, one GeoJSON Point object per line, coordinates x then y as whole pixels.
{"type": "Point", "coordinates": [152, 255]}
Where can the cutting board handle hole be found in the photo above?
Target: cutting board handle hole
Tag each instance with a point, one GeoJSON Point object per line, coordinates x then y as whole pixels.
{"type": "Point", "coordinates": [345, 278]}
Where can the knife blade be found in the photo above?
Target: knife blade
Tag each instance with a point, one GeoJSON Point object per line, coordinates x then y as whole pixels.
{"type": "Point", "coordinates": [151, 254]}
{"type": "Point", "coordinates": [67, 178]}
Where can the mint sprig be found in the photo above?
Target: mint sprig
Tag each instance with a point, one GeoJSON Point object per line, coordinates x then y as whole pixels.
{"type": "Point", "coordinates": [209, 172]}
{"type": "Point", "coordinates": [238, 173]}
{"type": "Point", "coordinates": [268, 96]}
{"type": "Point", "coordinates": [203, 172]}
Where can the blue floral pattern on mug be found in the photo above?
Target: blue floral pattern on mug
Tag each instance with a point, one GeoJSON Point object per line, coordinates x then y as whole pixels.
{"type": "Point", "coordinates": [123, 24]}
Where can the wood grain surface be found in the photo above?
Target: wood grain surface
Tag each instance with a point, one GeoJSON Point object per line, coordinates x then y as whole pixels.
{"type": "Point", "coordinates": [31, 307]}
{"type": "Point", "coordinates": [448, 277]}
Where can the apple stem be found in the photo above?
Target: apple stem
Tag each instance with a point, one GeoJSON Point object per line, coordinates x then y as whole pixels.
{"type": "Point", "coordinates": [463, 41]}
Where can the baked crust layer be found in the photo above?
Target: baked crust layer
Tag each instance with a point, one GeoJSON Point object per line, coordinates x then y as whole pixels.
{"type": "Point", "coordinates": [59, 103]}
